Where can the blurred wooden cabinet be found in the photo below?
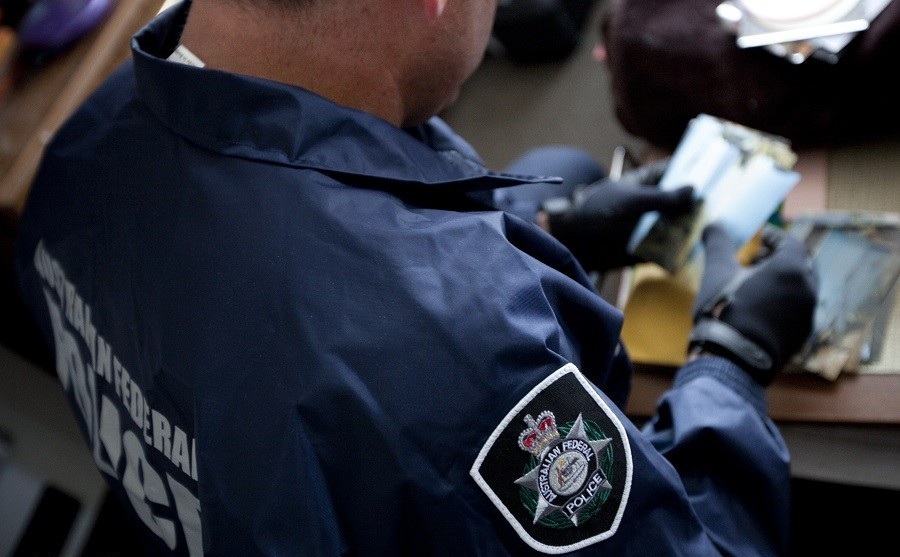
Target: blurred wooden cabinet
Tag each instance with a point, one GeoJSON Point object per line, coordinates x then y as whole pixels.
{"type": "Point", "coordinates": [42, 98]}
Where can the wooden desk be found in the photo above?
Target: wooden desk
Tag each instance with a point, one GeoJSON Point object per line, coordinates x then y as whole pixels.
{"type": "Point", "coordinates": [872, 399]}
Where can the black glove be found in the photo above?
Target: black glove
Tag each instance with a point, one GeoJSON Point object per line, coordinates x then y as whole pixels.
{"type": "Point", "coordinates": [596, 223]}
{"type": "Point", "coordinates": [757, 316]}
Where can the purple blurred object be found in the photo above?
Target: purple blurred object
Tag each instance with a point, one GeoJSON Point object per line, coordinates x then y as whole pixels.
{"type": "Point", "coordinates": [51, 25]}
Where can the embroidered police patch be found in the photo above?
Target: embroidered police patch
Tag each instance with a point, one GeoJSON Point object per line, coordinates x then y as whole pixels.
{"type": "Point", "coordinates": [559, 465]}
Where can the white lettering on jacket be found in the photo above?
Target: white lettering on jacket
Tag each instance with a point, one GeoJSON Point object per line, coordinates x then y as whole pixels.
{"type": "Point", "coordinates": [121, 430]}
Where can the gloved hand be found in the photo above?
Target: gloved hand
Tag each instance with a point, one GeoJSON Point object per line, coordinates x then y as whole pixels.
{"type": "Point", "coordinates": [598, 220]}
{"type": "Point", "coordinates": [757, 316]}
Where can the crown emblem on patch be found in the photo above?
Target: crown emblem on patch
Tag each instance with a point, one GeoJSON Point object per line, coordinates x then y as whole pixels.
{"type": "Point", "coordinates": [539, 434]}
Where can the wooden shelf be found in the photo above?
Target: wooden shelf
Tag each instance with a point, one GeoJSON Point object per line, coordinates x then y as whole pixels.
{"type": "Point", "coordinates": [43, 98]}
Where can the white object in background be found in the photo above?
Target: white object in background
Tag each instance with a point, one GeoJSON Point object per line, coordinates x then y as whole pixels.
{"type": "Point", "coordinates": [781, 14]}
{"type": "Point", "coordinates": [796, 30]}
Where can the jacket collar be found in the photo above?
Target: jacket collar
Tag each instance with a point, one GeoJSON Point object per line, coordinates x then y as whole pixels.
{"type": "Point", "coordinates": [254, 118]}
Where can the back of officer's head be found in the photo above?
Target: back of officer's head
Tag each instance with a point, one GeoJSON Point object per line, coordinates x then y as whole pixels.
{"type": "Point", "coordinates": [404, 60]}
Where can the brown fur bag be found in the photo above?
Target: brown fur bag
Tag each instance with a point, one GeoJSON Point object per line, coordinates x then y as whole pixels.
{"type": "Point", "coordinates": [672, 59]}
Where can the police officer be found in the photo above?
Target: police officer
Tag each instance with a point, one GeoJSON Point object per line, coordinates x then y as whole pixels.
{"type": "Point", "coordinates": [290, 322]}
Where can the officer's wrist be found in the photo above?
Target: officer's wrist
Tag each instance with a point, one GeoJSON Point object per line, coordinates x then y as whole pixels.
{"type": "Point", "coordinates": [700, 349]}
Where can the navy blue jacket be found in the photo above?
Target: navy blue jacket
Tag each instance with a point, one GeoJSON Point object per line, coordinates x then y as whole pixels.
{"type": "Point", "coordinates": [290, 328]}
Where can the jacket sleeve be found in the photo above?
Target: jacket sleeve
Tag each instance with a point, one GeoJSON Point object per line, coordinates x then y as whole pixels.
{"type": "Point", "coordinates": [735, 466]}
